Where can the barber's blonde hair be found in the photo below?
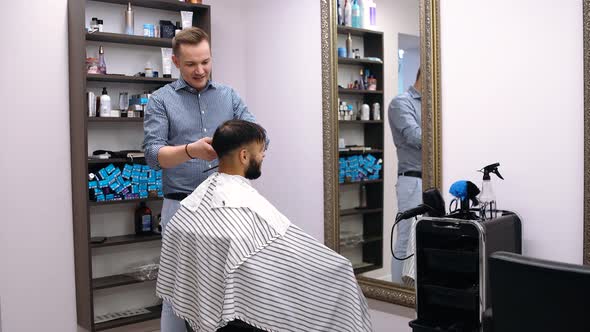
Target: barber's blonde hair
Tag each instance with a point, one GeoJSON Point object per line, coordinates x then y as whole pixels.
{"type": "Point", "coordinates": [190, 36]}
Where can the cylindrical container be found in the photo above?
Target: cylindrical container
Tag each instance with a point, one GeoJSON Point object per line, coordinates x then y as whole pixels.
{"type": "Point", "coordinates": [129, 20]}
{"type": "Point", "coordinates": [143, 220]}
{"type": "Point", "coordinates": [100, 25]}
{"type": "Point", "coordinates": [349, 46]}
{"type": "Point", "coordinates": [363, 196]}
{"type": "Point", "coordinates": [123, 101]}
{"type": "Point", "coordinates": [365, 112]}
{"type": "Point", "coordinates": [146, 30]}
{"type": "Point", "coordinates": [91, 99]}
{"type": "Point", "coordinates": [376, 112]}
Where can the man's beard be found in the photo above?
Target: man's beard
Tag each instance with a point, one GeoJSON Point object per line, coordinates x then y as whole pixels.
{"type": "Point", "coordinates": [253, 171]}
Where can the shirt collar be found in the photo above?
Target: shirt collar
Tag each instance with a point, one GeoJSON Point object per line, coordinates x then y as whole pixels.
{"type": "Point", "coordinates": [181, 84]}
{"type": "Point", "coordinates": [414, 93]}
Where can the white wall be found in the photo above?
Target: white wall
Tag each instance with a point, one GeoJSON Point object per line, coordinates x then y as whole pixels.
{"type": "Point", "coordinates": [284, 92]}
{"type": "Point", "coordinates": [36, 246]}
{"type": "Point", "coordinates": [512, 91]}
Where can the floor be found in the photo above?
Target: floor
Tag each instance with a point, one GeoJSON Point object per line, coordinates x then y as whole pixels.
{"type": "Point", "coordinates": [386, 318]}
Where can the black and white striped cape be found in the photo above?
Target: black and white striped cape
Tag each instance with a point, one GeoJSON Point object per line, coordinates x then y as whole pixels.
{"type": "Point", "coordinates": [229, 254]}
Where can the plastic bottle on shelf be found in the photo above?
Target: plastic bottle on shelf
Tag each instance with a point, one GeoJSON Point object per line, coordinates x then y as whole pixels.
{"type": "Point", "coordinates": [143, 220]}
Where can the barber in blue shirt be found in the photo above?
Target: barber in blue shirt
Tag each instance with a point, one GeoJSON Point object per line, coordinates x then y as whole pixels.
{"type": "Point", "coordinates": [180, 119]}
{"type": "Point", "coordinates": [405, 120]}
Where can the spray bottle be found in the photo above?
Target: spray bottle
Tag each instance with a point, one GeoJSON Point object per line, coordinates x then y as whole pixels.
{"type": "Point", "coordinates": [487, 197]}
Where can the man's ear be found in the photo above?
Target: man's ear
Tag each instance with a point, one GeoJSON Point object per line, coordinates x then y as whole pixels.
{"type": "Point", "coordinates": [243, 155]}
{"type": "Point", "coordinates": [176, 61]}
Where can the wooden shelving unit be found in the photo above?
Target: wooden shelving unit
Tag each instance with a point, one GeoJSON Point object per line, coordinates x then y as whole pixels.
{"type": "Point", "coordinates": [127, 239]}
{"type": "Point", "coordinates": [128, 79]}
{"type": "Point", "coordinates": [359, 211]}
{"type": "Point", "coordinates": [113, 119]}
{"type": "Point", "coordinates": [352, 153]}
{"type": "Point", "coordinates": [154, 313]}
{"type": "Point", "coordinates": [119, 38]}
{"type": "Point", "coordinates": [115, 281]}
{"type": "Point", "coordinates": [80, 124]}
{"type": "Point", "coordinates": [373, 133]}
{"type": "Point", "coordinates": [361, 182]}
{"type": "Point", "coordinates": [358, 91]}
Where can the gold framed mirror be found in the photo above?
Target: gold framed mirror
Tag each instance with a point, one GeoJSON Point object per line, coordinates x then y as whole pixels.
{"type": "Point", "coordinates": [429, 64]}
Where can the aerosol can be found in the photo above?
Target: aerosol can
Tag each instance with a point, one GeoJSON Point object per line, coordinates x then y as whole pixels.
{"type": "Point", "coordinates": [487, 198]}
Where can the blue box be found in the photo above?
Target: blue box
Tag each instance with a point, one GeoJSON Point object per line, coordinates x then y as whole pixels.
{"type": "Point", "coordinates": [114, 186]}
{"type": "Point", "coordinates": [103, 183]}
{"type": "Point", "coordinates": [152, 188]}
{"type": "Point", "coordinates": [103, 174]}
{"type": "Point", "coordinates": [143, 187]}
{"type": "Point", "coordinates": [100, 198]}
{"type": "Point", "coordinates": [116, 172]}
{"type": "Point", "coordinates": [92, 184]}
{"type": "Point", "coordinates": [145, 168]}
{"type": "Point", "coordinates": [110, 197]}
{"type": "Point", "coordinates": [110, 168]}
{"type": "Point", "coordinates": [143, 194]}
{"type": "Point", "coordinates": [137, 167]}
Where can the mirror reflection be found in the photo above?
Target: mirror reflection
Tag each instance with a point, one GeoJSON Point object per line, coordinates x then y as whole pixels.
{"type": "Point", "coordinates": [380, 136]}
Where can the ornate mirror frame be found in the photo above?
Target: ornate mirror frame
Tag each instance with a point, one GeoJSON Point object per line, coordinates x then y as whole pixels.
{"type": "Point", "coordinates": [431, 131]}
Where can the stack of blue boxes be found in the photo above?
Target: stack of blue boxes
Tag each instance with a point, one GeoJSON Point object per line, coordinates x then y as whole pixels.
{"type": "Point", "coordinates": [133, 182]}
{"type": "Point", "coordinates": [359, 168]}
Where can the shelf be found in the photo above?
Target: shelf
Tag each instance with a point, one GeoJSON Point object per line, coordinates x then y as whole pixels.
{"type": "Point", "coordinates": [349, 61]}
{"type": "Point", "coordinates": [365, 267]}
{"type": "Point", "coordinates": [115, 281]}
{"type": "Point", "coordinates": [352, 212]}
{"type": "Point", "coordinates": [113, 119]}
{"type": "Point", "coordinates": [358, 91]}
{"type": "Point", "coordinates": [358, 32]}
{"type": "Point", "coordinates": [361, 122]}
{"type": "Point", "coordinates": [351, 153]}
{"type": "Point", "coordinates": [365, 241]}
{"type": "Point", "coordinates": [126, 239]}
{"type": "Point", "coordinates": [361, 182]}
{"type": "Point", "coordinates": [128, 79]}
{"type": "Point", "coordinates": [173, 5]}
{"type": "Point", "coordinates": [125, 201]}
{"type": "Point", "coordinates": [115, 161]}
{"type": "Point", "coordinates": [120, 38]}
{"type": "Point", "coordinates": [154, 313]}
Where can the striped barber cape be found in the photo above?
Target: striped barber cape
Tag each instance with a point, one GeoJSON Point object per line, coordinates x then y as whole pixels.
{"type": "Point", "coordinates": [228, 254]}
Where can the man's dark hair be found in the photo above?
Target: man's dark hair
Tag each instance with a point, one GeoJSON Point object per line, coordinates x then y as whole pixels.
{"type": "Point", "coordinates": [418, 75]}
{"type": "Point", "coordinates": [234, 134]}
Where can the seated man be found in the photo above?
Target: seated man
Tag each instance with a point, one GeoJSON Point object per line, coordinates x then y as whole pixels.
{"type": "Point", "coordinates": [229, 255]}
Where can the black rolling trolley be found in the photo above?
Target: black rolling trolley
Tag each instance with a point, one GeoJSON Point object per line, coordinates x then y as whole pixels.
{"type": "Point", "coordinates": [452, 283]}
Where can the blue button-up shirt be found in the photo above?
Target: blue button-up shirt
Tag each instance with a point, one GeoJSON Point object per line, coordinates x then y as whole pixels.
{"type": "Point", "coordinates": [405, 120]}
{"type": "Point", "coordinates": [178, 114]}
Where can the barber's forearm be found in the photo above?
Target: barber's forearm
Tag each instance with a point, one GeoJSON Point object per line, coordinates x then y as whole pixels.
{"type": "Point", "coordinates": [172, 156]}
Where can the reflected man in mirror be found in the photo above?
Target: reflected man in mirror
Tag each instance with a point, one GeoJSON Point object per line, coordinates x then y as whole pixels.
{"type": "Point", "coordinates": [405, 120]}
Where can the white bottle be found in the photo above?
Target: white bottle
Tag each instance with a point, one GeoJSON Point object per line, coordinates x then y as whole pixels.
{"type": "Point", "coordinates": [105, 104]}
{"type": "Point", "coordinates": [361, 4]}
{"type": "Point", "coordinates": [348, 13]}
{"type": "Point", "coordinates": [365, 14]}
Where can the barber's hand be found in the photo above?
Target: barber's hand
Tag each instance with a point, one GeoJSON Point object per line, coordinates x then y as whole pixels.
{"type": "Point", "coordinates": [202, 149]}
